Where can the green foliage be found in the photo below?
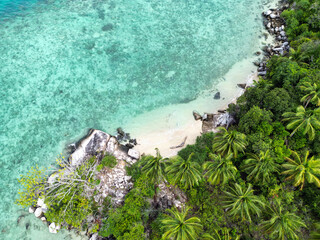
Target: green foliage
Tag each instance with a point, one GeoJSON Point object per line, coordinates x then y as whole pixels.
{"type": "Point", "coordinates": [70, 210]}
{"type": "Point", "coordinates": [301, 169]}
{"type": "Point", "coordinates": [153, 167]}
{"type": "Point", "coordinates": [109, 161]}
{"type": "Point", "coordinates": [282, 224]}
{"type": "Point", "coordinates": [220, 170]}
{"type": "Point", "coordinates": [126, 222]}
{"type": "Point", "coordinates": [229, 141]}
{"type": "Point", "coordinates": [243, 203]}
{"type": "Point", "coordinates": [304, 120]}
{"type": "Point", "coordinates": [260, 168]}
{"type": "Point", "coordinates": [256, 120]}
{"type": "Point", "coordinates": [33, 184]}
{"type": "Point", "coordinates": [201, 148]}
{"type": "Point", "coordinates": [69, 197]}
{"type": "Point", "coordinates": [184, 171]}
{"type": "Point", "coordinates": [177, 226]}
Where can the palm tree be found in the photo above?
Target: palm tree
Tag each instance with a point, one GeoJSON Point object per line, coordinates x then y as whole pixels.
{"type": "Point", "coordinates": [220, 170]}
{"type": "Point", "coordinates": [313, 93]}
{"type": "Point", "coordinates": [223, 234]}
{"type": "Point", "coordinates": [242, 202]}
{"type": "Point", "coordinates": [307, 120]}
{"type": "Point", "coordinates": [154, 168]}
{"type": "Point", "coordinates": [260, 168]}
{"type": "Point", "coordinates": [229, 141]}
{"type": "Point", "coordinates": [300, 169]}
{"type": "Point", "coordinates": [184, 171]}
{"type": "Point", "coordinates": [282, 224]}
{"type": "Point", "coordinates": [178, 227]}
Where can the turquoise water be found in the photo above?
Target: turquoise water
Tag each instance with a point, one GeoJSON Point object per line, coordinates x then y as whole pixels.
{"type": "Point", "coordinates": [70, 65]}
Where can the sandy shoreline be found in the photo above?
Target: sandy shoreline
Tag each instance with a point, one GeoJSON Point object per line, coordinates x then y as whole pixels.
{"type": "Point", "coordinates": [169, 126]}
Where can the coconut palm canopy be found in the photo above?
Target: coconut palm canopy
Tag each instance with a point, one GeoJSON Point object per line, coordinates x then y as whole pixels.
{"type": "Point", "coordinates": [301, 169]}
{"type": "Point", "coordinates": [304, 120]}
{"type": "Point", "coordinates": [184, 171]}
{"type": "Point", "coordinates": [178, 226]}
{"type": "Point", "coordinates": [220, 170]}
{"type": "Point", "coordinates": [229, 141]}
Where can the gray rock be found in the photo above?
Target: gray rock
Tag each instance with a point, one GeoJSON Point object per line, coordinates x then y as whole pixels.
{"type": "Point", "coordinates": [217, 96]}
{"type": "Point", "coordinates": [273, 16]}
{"type": "Point", "coordinates": [134, 153]}
{"type": "Point", "coordinates": [95, 141]}
{"type": "Point", "coordinates": [242, 85]}
{"type": "Point", "coordinates": [94, 236]}
{"type": "Point", "coordinates": [196, 116]}
{"type": "Point", "coordinates": [282, 33]}
{"type": "Point", "coordinates": [268, 12]}
{"type": "Point", "coordinates": [262, 73]}
{"type": "Point", "coordinates": [32, 209]}
{"type": "Point", "coordinates": [38, 212]}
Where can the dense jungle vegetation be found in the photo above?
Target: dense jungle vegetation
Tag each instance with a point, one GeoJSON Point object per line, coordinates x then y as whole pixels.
{"type": "Point", "coordinates": [258, 179]}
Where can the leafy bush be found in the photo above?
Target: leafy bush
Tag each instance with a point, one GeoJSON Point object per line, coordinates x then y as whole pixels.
{"type": "Point", "coordinates": [109, 161]}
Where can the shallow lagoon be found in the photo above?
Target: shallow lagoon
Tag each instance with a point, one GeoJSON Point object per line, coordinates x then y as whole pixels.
{"type": "Point", "coordinates": [67, 66]}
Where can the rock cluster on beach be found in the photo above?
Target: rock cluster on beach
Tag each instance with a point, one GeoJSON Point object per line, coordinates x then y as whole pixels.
{"type": "Point", "coordinates": [275, 25]}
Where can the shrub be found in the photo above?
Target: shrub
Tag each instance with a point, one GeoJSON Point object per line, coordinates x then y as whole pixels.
{"type": "Point", "coordinates": [109, 161]}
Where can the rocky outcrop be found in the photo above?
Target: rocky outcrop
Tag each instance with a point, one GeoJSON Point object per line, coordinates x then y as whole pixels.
{"type": "Point", "coordinates": [170, 196]}
{"type": "Point", "coordinates": [217, 96]}
{"type": "Point", "coordinates": [114, 182]}
{"type": "Point", "coordinates": [97, 143]}
{"type": "Point", "coordinates": [212, 121]}
{"type": "Point", "coordinates": [275, 25]}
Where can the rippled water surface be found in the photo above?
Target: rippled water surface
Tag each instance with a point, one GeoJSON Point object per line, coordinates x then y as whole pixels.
{"type": "Point", "coordinates": [70, 65]}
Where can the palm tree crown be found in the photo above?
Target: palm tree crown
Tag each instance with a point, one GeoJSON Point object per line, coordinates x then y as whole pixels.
{"type": "Point", "coordinates": [242, 202]}
{"type": "Point", "coordinates": [260, 168]}
{"type": "Point", "coordinates": [307, 120]}
{"type": "Point", "coordinates": [220, 170]}
{"type": "Point", "coordinates": [313, 93]}
{"type": "Point", "coordinates": [178, 227]}
{"type": "Point", "coordinates": [153, 167]}
{"type": "Point", "coordinates": [229, 141]}
{"type": "Point", "coordinates": [300, 169]}
{"type": "Point", "coordinates": [184, 171]}
{"type": "Point", "coordinates": [282, 224]}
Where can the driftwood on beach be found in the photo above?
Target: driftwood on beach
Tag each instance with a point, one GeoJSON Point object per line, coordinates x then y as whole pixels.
{"type": "Point", "coordinates": [180, 145]}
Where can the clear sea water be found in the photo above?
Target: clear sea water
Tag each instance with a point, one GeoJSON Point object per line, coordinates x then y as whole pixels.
{"type": "Point", "coordinates": [70, 65]}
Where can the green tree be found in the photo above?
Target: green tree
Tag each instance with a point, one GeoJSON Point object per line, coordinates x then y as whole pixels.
{"type": "Point", "coordinates": [306, 120]}
{"type": "Point", "coordinates": [220, 170]}
{"type": "Point", "coordinates": [260, 168]}
{"type": "Point", "coordinates": [178, 227]}
{"type": "Point", "coordinates": [223, 234]}
{"type": "Point", "coordinates": [315, 235]}
{"type": "Point", "coordinates": [154, 169]}
{"type": "Point", "coordinates": [282, 224]}
{"type": "Point", "coordinates": [184, 171]}
{"type": "Point", "coordinates": [312, 93]}
{"type": "Point", "coordinates": [229, 141]}
{"type": "Point", "coordinates": [242, 202]}
{"type": "Point", "coordinates": [303, 168]}
{"type": "Point", "coordinates": [33, 185]}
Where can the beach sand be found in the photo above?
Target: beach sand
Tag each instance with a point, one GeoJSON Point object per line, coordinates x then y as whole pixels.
{"type": "Point", "coordinates": [167, 127]}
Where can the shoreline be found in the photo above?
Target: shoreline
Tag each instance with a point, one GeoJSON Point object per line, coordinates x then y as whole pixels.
{"type": "Point", "coordinates": [170, 130]}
